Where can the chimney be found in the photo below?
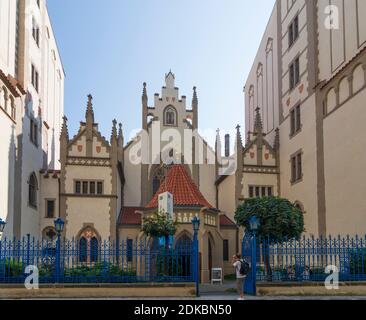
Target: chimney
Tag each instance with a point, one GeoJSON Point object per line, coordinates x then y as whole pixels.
{"type": "Point", "coordinates": [227, 145]}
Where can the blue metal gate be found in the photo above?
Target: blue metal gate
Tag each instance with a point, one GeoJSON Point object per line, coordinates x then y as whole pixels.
{"type": "Point", "coordinates": [249, 253]}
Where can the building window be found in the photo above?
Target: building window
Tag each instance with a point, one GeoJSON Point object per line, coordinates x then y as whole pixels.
{"type": "Point", "coordinates": [170, 118]}
{"type": "Point", "coordinates": [295, 120]}
{"type": "Point", "coordinates": [35, 31]}
{"type": "Point", "coordinates": [88, 187]}
{"type": "Point", "coordinates": [92, 187]}
{"type": "Point", "coordinates": [77, 187]}
{"type": "Point", "coordinates": [296, 167]}
{"type": "Point", "coordinates": [35, 78]}
{"type": "Point", "coordinates": [226, 250]}
{"type": "Point", "coordinates": [129, 250]}
{"type": "Point", "coordinates": [33, 132]}
{"type": "Point", "coordinates": [260, 191]}
{"type": "Point", "coordinates": [99, 187]}
{"type": "Point", "coordinates": [85, 187]}
{"type": "Point", "coordinates": [251, 192]}
{"type": "Point", "coordinates": [293, 31]}
{"type": "Point", "coordinates": [32, 190]}
{"type": "Point", "coordinates": [294, 73]}
{"type": "Point", "coordinates": [50, 209]}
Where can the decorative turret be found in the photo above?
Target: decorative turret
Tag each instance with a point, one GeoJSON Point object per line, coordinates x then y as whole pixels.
{"type": "Point", "coordinates": [120, 142]}
{"type": "Point", "coordinates": [258, 126]}
{"type": "Point", "coordinates": [120, 136]}
{"type": "Point", "coordinates": [195, 109]}
{"type": "Point", "coordinates": [276, 144]}
{"type": "Point", "coordinates": [64, 140]}
{"type": "Point", "coordinates": [89, 115]}
{"type": "Point", "coordinates": [144, 100]}
{"type": "Point", "coordinates": [64, 129]}
{"type": "Point", "coordinates": [114, 131]}
{"type": "Point", "coordinates": [170, 80]}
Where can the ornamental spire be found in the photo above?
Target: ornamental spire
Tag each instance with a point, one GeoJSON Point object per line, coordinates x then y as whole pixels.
{"type": "Point", "coordinates": [258, 126]}
{"type": "Point", "coordinates": [194, 99]}
{"type": "Point", "coordinates": [114, 130]}
{"type": "Point", "coordinates": [144, 95]}
{"type": "Point", "coordinates": [120, 135]}
{"type": "Point", "coordinates": [276, 144]}
{"type": "Point", "coordinates": [89, 110]}
{"type": "Point", "coordinates": [64, 129]}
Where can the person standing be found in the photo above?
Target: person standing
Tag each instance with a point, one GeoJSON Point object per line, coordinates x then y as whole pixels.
{"type": "Point", "coordinates": [240, 278]}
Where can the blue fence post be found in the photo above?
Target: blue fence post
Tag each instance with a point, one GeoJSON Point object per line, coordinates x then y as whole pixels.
{"type": "Point", "coordinates": [196, 264]}
{"type": "Point", "coordinates": [254, 263]}
{"type": "Point", "coordinates": [28, 249]}
{"type": "Point", "coordinates": [58, 258]}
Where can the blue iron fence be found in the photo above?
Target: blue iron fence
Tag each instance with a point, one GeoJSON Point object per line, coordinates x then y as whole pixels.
{"type": "Point", "coordinates": [71, 261]}
{"type": "Point", "coordinates": [306, 259]}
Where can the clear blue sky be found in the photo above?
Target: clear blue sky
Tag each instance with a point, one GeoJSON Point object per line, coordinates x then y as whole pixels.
{"type": "Point", "coordinates": [110, 47]}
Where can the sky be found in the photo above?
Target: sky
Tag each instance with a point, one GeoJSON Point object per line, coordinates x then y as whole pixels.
{"type": "Point", "coordinates": [110, 47]}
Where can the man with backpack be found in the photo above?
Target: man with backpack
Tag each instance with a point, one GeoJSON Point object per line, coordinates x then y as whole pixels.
{"type": "Point", "coordinates": [241, 270]}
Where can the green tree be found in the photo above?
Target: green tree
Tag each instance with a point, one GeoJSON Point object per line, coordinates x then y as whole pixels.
{"type": "Point", "coordinates": [280, 220]}
{"type": "Point", "coordinates": [159, 225]}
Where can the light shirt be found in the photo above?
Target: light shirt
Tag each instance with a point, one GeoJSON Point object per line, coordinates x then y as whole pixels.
{"type": "Point", "coordinates": [237, 266]}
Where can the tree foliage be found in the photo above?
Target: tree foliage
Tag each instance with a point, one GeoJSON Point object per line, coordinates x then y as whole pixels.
{"type": "Point", "coordinates": [280, 220]}
{"type": "Point", "coordinates": [159, 225]}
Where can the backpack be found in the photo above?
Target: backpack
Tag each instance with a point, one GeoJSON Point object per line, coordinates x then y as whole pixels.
{"type": "Point", "coordinates": [244, 267]}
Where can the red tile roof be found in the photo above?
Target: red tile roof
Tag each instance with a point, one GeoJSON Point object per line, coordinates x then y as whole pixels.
{"type": "Point", "coordinates": [183, 189]}
{"type": "Point", "coordinates": [129, 216]}
{"type": "Point", "coordinates": [226, 221]}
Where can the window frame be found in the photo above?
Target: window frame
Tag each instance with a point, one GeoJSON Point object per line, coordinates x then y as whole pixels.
{"type": "Point", "coordinates": [47, 201]}
{"type": "Point", "coordinates": [33, 191]}
{"type": "Point", "coordinates": [294, 73]}
{"type": "Point", "coordinates": [297, 172]}
{"type": "Point", "coordinates": [295, 120]}
{"type": "Point", "coordinates": [167, 109]}
{"type": "Point", "coordinates": [293, 26]}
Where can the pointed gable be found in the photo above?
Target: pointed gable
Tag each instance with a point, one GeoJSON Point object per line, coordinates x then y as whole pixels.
{"type": "Point", "coordinates": [185, 192]}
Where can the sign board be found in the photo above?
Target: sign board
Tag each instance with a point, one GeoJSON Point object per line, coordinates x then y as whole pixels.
{"type": "Point", "coordinates": [216, 275]}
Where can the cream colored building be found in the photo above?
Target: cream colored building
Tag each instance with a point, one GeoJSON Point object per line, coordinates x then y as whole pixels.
{"type": "Point", "coordinates": [308, 80]}
{"type": "Point", "coordinates": [31, 109]}
{"type": "Point", "coordinates": [105, 187]}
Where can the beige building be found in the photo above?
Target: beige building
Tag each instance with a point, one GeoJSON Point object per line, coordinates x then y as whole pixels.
{"type": "Point", "coordinates": [308, 81]}
{"type": "Point", "coordinates": [31, 110]}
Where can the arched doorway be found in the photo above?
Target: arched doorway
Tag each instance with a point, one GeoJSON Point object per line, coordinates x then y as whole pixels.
{"type": "Point", "coordinates": [88, 246]}
{"type": "Point", "coordinates": [183, 248]}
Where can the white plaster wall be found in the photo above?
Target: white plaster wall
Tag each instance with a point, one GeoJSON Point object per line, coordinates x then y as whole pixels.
{"type": "Point", "coordinates": [7, 35]}
{"type": "Point", "coordinates": [345, 175]}
{"type": "Point", "coordinates": [266, 93]}
{"type": "Point", "coordinates": [306, 190]}
{"type": "Point", "coordinates": [49, 191]}
{"type": "Point", "coordinates": [337, 47]}
{"type": "Point", "coordinates": [132, 188]}
{"type": "Point", "coordinates": [7, 158]}
{"type": "Point", "coordinates": [226, 196]}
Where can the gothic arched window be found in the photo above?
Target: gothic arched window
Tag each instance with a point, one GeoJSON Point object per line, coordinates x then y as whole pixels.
{"type": "Point", "coordinates": [32, 190]}
{"type": "Point", "coordinates": [170, 116]}
{"type": "Point", "coordinates": [88, 246]}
